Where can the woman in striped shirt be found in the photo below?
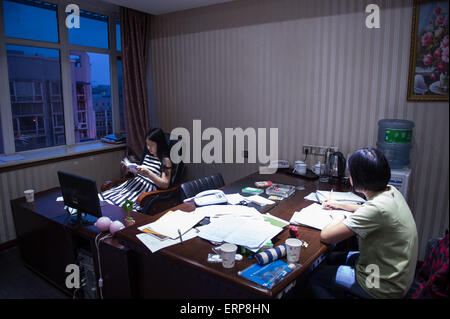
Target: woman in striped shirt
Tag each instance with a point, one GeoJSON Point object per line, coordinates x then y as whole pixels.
{"type": "Point", "coordinates": [154, 173]}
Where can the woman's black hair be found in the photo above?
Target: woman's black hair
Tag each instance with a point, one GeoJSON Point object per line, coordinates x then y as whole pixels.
{"type": "Point", "coordinates": [369, 170]}
{"type": "Point", "coordinates": [157, 135]}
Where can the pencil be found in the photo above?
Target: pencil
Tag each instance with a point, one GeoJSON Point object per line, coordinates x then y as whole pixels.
{"type": "Point", "coordinates": [181, 238]}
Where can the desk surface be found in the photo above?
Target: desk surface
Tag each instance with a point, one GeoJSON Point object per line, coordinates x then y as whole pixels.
{"type": "Point", "coordinates": [45, 204]}
{"type": "Point", "coordinates": [194, 252]}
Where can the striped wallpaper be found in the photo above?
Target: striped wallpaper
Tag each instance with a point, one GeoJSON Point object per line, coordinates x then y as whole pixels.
{"type": "Point", "coordinates": [310, 68]}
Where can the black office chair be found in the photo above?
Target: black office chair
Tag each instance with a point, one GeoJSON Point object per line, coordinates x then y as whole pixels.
{"type": "Point", "coordinates": [192, 188]}
{"type": "Point", "coordinates": [158, 200]}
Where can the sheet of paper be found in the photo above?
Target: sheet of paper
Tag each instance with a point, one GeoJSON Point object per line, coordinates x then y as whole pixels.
{"type": "Point", "coordinates": [219, 228]}
{"type": "Point", "coordinates": [242, 231]}
{"type": "Point", "coordinates": [171, 223]}
{"type": "Point", "coordinates": [259, 200]}
{"type": "Point", "coordinates": [223, 210]}
{"type": "Point", "coordinates": [311, 197]}
{"type": "Point", "coordinates": [154, 244]}
{"type": "Point", "coordinates": [253, 234]}
{"type": "Point", "coordinates": [315, 216]}
{"type": "Point", "coordinates": [234, 199]}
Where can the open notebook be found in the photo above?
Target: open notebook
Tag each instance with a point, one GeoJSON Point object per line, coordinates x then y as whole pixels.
{"type": "Point", "coordinates": [339, 196]}
{"type": "Point", "coordinates": [315, 216]}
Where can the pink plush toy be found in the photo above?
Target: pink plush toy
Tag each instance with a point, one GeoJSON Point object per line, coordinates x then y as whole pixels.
{"type": "Point", "coordinates": [115, 226]}
{"type": "Point", "coordinates": [103, 223]}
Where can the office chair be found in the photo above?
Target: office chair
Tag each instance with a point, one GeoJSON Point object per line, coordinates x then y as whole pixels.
{"type": "Point", "coordinates": [157, 200]}
{"type": "Point", "coordinates": [192, 188]}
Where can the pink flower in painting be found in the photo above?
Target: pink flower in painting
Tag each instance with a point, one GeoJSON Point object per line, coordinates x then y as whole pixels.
{"type": "Point", "coordinates": [426, 39]}
{"type": "Point", "coordinates": [434, 77]}
{"type": "Point", "coordinates": [445, 55]}
{"type": "Point", "coordinates": [428, 59]}
{"type": "Point", "coordinates": [444, 43]}
{"type": "Point", "coordinates": [440, 20]}
{"type": "Point", "coordinates": [438, 53]}
{"type": "Point", "coordinates": [441, 67]}
{"type": "Point", "coordinates": [438, 10]}
{"type": "Point", "coordinates": [438, 32]}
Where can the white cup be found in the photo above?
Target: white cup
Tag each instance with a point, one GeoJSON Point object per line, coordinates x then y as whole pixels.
{"type": "Point", "coordinates": [293, 246]}
{"type": "Point", "coordinates": [319, 169]}
{"type": "Point", "coordinates": [29, 195]}
{"type": "Point", "coordinates": [228, 254]}
{"type": "Point", "coordinates": [300, 167]}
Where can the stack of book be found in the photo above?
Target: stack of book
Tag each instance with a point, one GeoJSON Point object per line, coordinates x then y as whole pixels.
{"type": "Point", "coordinates": [114, 138]}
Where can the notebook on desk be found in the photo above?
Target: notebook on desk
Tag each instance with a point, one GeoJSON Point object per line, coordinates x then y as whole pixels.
{"type": "Point", "coordinates": [339, 196]}
{"type": "Point", "coordinates": [316, 216]}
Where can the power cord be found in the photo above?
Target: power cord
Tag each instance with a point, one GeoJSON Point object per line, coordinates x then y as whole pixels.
{"type": "Point", "coordinates": [97, 245]}
{"type": "Point", "coordinates": [306, 154]}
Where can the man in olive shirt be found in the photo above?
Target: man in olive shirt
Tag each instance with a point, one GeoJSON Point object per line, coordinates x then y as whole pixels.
{"type": "Point", "coordinates": [387, 236]}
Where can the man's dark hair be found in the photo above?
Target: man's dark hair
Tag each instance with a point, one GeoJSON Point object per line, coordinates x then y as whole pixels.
{"type": "Point", "coordinates": [369, 170]}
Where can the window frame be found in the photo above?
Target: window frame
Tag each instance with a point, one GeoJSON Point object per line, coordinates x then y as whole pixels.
{"type": "Point", "coordinates": [64, 48]}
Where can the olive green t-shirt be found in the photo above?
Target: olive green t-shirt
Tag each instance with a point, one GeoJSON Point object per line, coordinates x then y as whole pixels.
{"type": "Point", "coordinates": [388, 244]}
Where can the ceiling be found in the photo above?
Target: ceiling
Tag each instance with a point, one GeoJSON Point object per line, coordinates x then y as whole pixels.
{"type": "Point", "coordinates": [157, 7]}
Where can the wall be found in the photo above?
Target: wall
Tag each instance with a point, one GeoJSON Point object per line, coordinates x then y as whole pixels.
{"type": "Point", "coordinates": [310, 68]}
{"type": "Point", "coordinates": [43, 177]}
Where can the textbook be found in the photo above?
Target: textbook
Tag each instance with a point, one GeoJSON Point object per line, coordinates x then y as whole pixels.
{"type": "Point", "coordinates": [131, 166]}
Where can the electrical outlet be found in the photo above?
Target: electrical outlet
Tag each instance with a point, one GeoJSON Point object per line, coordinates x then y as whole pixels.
{"type": "Point", "coordinates": [307, 149]}
{"type": "Point", "coordinates": [245, 154]}
{"type": "Point", "coordinates": [318, 150]}
{"type": "Point", "coordinates": [314, 149]}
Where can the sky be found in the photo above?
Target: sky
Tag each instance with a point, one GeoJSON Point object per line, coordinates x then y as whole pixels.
{"type": "Point", "coordinates": [29, 22]}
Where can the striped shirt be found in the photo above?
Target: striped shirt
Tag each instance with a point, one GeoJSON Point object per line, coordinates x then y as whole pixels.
{"type": "Point", "coordinates": [132, 188]}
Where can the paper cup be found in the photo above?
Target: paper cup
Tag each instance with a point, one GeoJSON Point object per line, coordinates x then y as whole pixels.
{"type": "Point", "coordinates": [293, 246]}
{"type": "Point", "coordinates": [300, 167]}
{"type": "Point", "coordinates": [29, 195]}
{"type": "Point", "coordinates": [228, 253]}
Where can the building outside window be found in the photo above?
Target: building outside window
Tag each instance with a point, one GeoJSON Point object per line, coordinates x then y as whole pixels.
{"type": "Point", "coordinates": [36, 100]}
{"type": "Point", "coordinates": [35, 56]}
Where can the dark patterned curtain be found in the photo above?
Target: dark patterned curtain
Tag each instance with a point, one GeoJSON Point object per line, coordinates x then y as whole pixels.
{"type": "Point", "coordinates": [135, 40]}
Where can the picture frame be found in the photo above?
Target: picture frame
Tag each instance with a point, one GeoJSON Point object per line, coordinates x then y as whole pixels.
{"type": "Point", "coordinates": [428, 78]}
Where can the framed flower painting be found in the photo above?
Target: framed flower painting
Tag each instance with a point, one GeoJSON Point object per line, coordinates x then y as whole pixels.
{"type": "Point", "coordinates": [428, 67]}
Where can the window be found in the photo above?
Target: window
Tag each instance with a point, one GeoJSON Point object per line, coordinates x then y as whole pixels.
{"type": "Point", "coordinates": [35, 74]}
{"type": "Point", "coordinates": [29, 19]}
{"type": "Point", "coordinates": [34, 77]}
{"type": "Point", "coordinates": [93, 91]}
{"type": "Point", "coordinates": [118, 43]}
{"type": "Point", "coordinates": [93, 31]}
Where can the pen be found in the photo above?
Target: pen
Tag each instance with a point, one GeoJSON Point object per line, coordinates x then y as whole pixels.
{"type": "Point", "coordinates": [181, 238]}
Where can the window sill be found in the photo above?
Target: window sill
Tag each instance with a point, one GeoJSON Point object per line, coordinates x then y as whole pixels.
{"type": "Point", "coordinates": [33, 158]}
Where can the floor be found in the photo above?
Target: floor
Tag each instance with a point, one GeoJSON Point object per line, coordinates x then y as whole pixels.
{"type": "Point", "coordinates": [19, 282]}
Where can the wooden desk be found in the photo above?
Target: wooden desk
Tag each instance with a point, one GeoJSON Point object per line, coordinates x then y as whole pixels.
{"type": "Point", "coordinates": [182, 270]}
{"type": "Point", "coordinates": [48, 243]}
